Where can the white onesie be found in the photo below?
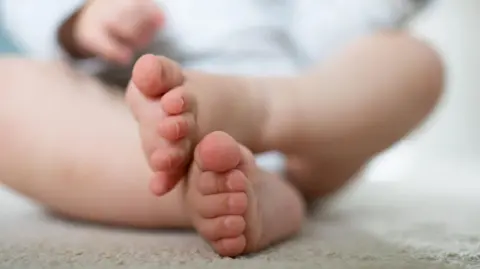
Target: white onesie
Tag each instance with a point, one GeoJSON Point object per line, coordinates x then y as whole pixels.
{"type": "Point", "coordinates": [227, 36]}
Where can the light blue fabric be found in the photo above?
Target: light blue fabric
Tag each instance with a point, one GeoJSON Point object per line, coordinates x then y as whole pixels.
{"type": "Point", "coordinates": [6, 45]}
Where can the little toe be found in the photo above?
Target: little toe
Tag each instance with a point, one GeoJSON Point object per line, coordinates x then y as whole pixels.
{"type": "Point", "coordinates": [155, 75]}
{"type": "Point", "coordinates": [230, 247]}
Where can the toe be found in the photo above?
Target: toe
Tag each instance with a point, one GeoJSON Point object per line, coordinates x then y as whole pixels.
{"type": "Point", "coordinates": [218, 152]}
{"type": "Point", "coordinates": [213, 183]}
{"type": "Point", "coordinates": [230, 247]}
{"type": "Point", "coordinates": [165, 159]}
{"type": "Point", "coordinates": [162, 183]}
{"type": "Point", "coordinates": [135, 100]}
{"type": "Point", "coordinates": [212, 206]}
{"type": "Point", "coordinates": [176, 127]}
{"type": "Point", "coordinates": [155, 75]}
{"type": "Point", "coordinates": [176, 101]}
{"type": "Point", "coordinates": [221, 227]}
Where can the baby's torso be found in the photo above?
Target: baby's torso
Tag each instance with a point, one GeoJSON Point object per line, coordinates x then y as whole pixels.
{"type": "Point", "coordinates": [228, 36]}
{"type": "Point", "coordinates": [264, 37]}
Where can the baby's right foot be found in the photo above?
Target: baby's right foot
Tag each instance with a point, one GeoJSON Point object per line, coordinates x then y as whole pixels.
{"type": "Point", "coordinates": [176, 109]}
{"type": "Point", "coordinates": [234, 205]}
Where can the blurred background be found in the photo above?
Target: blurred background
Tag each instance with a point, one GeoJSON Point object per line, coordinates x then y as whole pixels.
{"type": "Point", "coordinates": [6, 46]}
{"type": "Point", "coordinates": [448, 145]}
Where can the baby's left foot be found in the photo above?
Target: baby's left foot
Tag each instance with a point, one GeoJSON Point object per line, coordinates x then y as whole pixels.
{"type": "Point", "coordinates": [175, 109]}
{"type": "Point", "coordinates": [234, 205]}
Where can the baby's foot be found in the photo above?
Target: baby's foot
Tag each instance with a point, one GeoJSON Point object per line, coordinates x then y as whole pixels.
{"type": "Point", "coordinates": [164, 119]}
{"type": "Point", "coordinates": [234, 205]}
{"type": "Point", "coordinates": [175, 109]}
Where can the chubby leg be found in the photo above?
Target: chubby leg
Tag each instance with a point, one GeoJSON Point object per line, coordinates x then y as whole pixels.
{"type": "Point", "coordinates": [362, 100]}
{"type": "Point", "coordinates": [70, 144]}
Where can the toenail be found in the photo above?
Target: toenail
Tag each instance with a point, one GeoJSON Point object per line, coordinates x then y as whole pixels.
{"type": "Point", "coordinates": [235, 181]}
{"type": "Point", "coordinates": [234, 184]}
{"type": "Point", "coordinates": [177, 130]}
{"type": "Point", "coordinates": [235, 203]}
{"type": "Point", "coordinates": [231, 202]}
{"type": "Point", "coordinates": [181, 103]}
{"type": "Point", "coordinates": [230, 184]}
{"type": "Point", "coordinates": [177, 105]}
{"type": "Point", "coordinates": [229, 223]}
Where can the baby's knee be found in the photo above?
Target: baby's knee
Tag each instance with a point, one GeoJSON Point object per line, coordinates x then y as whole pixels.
{"type": "Point", "coordinates": [430, 76]}
{"type": "Point", "coordinates": [423, 63]}
{"type": "Point", "coordinates": [428, 58]}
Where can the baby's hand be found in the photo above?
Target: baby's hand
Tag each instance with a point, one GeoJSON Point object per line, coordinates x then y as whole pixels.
{"type": "Point", "coordinates": [113, 30]}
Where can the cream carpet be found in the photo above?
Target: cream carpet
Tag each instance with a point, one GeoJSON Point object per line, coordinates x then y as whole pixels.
{"type": "Point", "coordinates": [411, 224]}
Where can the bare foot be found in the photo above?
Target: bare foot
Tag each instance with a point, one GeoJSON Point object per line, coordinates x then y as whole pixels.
{"type": "Point", "coordinates": [234, 205]}
{"type": "Point", "coordinates": [176, 109]}
{"type": "Point", "coordinates": [164, 126]}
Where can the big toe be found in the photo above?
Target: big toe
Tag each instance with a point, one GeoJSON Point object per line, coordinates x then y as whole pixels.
{"type": "Point", "coordinates": [155, 75]}
{"type": "Point", "coordinates": [218, 152]}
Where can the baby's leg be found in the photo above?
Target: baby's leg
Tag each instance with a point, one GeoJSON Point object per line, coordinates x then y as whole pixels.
{"type": "Point", "coordinates": [73, 146]}
{"type": "Point", "coordinates": [361, 101]}
{"type": "Point", "coordinates": [329, 121]}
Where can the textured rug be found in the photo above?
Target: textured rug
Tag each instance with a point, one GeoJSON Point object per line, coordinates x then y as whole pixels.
{"type": "Point", "coordinates": [409, 224]}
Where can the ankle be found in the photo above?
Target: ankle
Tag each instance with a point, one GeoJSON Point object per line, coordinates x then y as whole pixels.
{"type": "Point", "coordinates": [280, 100]}
{"type": "Point", "coordinates": [303, 173]}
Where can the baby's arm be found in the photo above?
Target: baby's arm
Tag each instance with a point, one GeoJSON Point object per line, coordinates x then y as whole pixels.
{"type": "Point", "coordinates": [95, 36]}
{"type": "Point", "coordinates": [113, 32]}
